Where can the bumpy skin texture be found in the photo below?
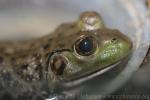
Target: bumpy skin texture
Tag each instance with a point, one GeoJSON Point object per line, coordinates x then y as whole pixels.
{"type": "Point", "coordinates": [25, 72]}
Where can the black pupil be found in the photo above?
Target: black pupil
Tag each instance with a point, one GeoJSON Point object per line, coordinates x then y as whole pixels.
{"type": "Point", "coordinates": [86, 45]}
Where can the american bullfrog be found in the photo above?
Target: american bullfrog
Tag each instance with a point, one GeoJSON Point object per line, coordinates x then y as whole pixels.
{"type": "Point", "coordinates": [74, 53]}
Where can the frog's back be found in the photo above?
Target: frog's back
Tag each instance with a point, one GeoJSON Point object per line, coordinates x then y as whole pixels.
{"type": "Point", "coordinates": [22, 64]}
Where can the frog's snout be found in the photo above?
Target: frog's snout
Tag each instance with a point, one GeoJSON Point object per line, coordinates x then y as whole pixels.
{"type": "Point", "coordinates": [58, 64]}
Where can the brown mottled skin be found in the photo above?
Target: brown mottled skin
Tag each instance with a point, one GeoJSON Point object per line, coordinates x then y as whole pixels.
{"type": "Point", "coordinates": [23, 63]}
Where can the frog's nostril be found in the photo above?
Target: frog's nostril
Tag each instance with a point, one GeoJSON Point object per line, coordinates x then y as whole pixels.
{"type": "Point", "coordinates": [58, 64]}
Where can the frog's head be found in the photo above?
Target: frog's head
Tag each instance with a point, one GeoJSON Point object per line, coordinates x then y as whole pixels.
{"type": "Point", "coordinates": [89, 53]}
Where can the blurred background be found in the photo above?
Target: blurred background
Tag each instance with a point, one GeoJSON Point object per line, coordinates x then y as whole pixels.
{"type": "Point", "coordinates": [27, 19]}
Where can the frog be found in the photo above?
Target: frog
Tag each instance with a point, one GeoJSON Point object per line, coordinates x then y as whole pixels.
{"type": "Point", "coordinates": [73, 54]}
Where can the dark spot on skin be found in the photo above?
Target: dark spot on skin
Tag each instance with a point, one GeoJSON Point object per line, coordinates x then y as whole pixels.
{"type": "Point", "coordinates": [24, 66]}
{"type": "Point", "coordinates": [50, 39]}
{"type": "Point", "coordinates": [46, 46]}
{"type": "Point", "coordinates": [38, 67]}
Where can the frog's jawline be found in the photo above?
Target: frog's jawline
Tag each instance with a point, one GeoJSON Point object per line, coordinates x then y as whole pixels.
{"type": "Point", "coordinates": [97, 73]}
{"type": "Point", "coordinates": [81, 80]}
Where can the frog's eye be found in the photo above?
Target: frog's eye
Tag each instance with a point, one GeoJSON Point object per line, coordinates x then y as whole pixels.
{"type": "Point", "coordinates": [85, 46]}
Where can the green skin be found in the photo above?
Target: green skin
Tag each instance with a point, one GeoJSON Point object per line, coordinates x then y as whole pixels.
{"type": "Point", "coordinates": [25, 67]}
